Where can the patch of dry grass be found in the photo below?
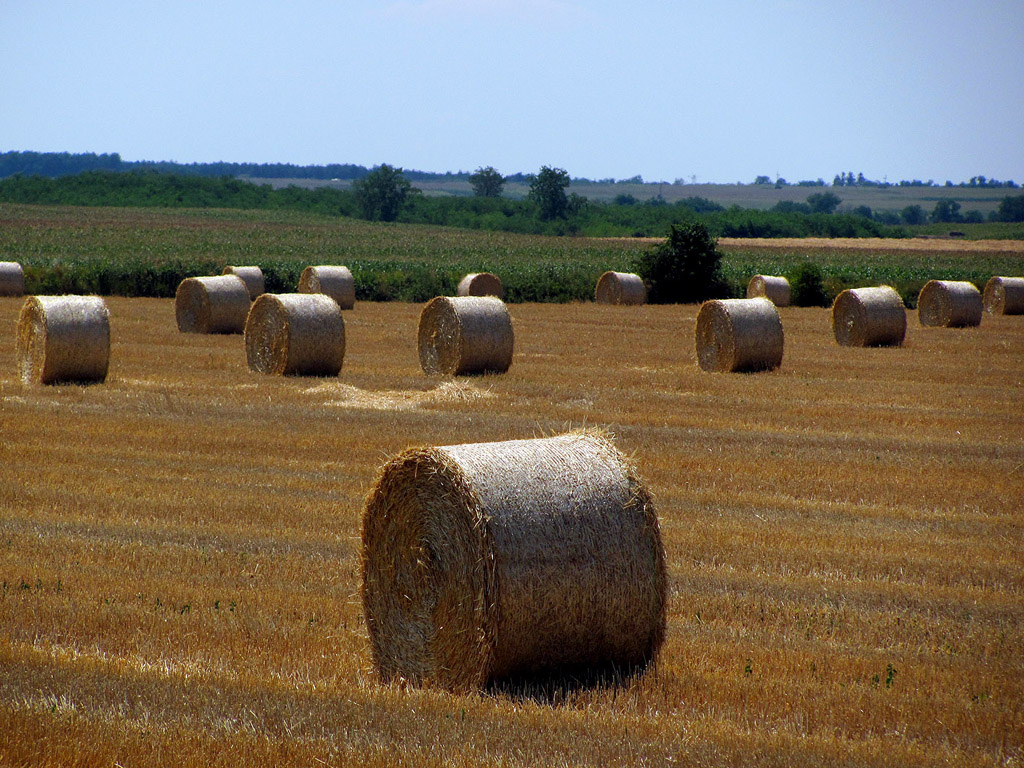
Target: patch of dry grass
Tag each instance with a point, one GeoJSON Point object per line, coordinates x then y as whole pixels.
{"type": "Point", "coordinates": [179, 547]}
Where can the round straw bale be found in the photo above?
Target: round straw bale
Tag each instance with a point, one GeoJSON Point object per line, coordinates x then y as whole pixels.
{"type": "Point", "coordinates": [480, 284]}
{"type": "Point", "coordinates": [465, 334]}
{"type": "Point", "coordinates": [1004, 296]}
{"type": "Point", "coordinates": [253, 277]}
{"type": "Point", "coordinates": [949, 304]}
{"type": "Point", "coordinates": [775, 289]}
{"type": "Point", "coordinates": [869, 317]}
{"type": "Point", "coordinates": [211, 304]}
{"type": "Point", "coordinates": [63, 338]}
{"type": "Point", "coordinates": [295, 334]}
{"type": "Point", "coordinates": [12, 279]}
{"type": "Point", "coordinates": [336, 282]}
{"type": "Point", "coordinates": [739, 335]}
{"type": "Point", "coordinates": [620, 288]}
{"type": "Point", "coordinates": [487, 561]}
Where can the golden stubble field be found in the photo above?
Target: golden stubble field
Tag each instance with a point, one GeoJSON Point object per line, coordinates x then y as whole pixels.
{"type": "Point", "coordinates": [179, 548]}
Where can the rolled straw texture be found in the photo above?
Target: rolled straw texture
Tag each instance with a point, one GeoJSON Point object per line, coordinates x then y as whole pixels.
{"type": "Point", "coordinates": [465, 334]}
{"type": "Point", "coordinates": [480, 284]}
{"type": "Point", "coordinates": [12, 279]}
{"type": "Point", "coordinates": [738, 335]}
{"type": "Point", "coordinates": [63, 338]}
{"type": "Point", "coordinates": [775, 289]}
{"type": "Point", "coordinates": [211, 304]}
{"type": "Point", "coordinates": [253, 278]}
{"type": "Point", "coordinates": [1004, 296]}
{"type": "Point", "coordinates": [336, 282]}
{"type": "Point", "coordinates": [295, 334]}
{"type": "Point", "coordinates": [620, 288]}
{"type": "Point", "coordinates": [949, 304]}
{"type": "Point", "coordinates": [487, 561]}
{"type": "Point", "coordinates": [869, 317]}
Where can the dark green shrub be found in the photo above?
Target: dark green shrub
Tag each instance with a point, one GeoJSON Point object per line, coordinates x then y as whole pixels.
{"type": "Point", "coordinates": [685, 268]}
{"type": "Point", "coordinates": [808, 286]}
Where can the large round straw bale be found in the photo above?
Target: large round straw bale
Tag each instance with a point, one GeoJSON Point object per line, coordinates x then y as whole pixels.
{"type": "Point", "coordinates": [465, 334]}
{"type": "Point", "coordinates": [774, 288]}
{"type": "Point", "coordinates": [869, 317]}
{"type": "Point", "coordinates": [295, 333]}
{"type": "Point", "coordinates": [211, 304]}
{"type": "Point", "coordinates": [336, 282]}
{"type": "Point", "coordinates": [620, 288]}
{"type": "Point", "coordinates": [480, 284]}
{"type": "Point", "coordinates": [739, 335]}
{"type": "Point", "coordinates": [253, 277]}
{"type": "Point", "coordinates": [63, 338]}
{"type": "Point", "coordinates": [12, 279]}
{"type": "Point", "coordinates": [487, 561]}
{"type": "Point", "coordinates": [949, 304]}
{"type": "Point", "coordinates": [1004, 296]}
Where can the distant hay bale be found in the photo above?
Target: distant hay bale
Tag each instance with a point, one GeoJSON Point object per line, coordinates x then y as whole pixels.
{"type": "Point", "coordinates": [1004, 296]}
{"type": "Point", "coordinates": [949, 304]}
{"type": "Point", "coordinates": [465, 334]}
{"type": "Point", "coordinates": [253, 278]}
{"type": "Point", "coordinates": [336, 282]}
{"type": "Point", "coordinates": [739, 335]}
{"type": "Point", "coordinates": [869, 317]}
{"type": "Point", "coordinates": [63, 339]}
{"type": "Point", "coordinates": [490, 561]}
{"type": "Point", "coordinates": [211, 304]}
{"type": "Point", "coordinates": [480, 284]}
{"type": "Point", "coordinates": [295, 334]}
{"type": "Point", "coordinates": [620, 288]}
{"type": "Point", "coordinates": [775, 289]}
{"type": "Point", "coordinates": [12, 279]}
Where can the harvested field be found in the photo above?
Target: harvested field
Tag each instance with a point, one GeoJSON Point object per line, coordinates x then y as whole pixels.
{"type": "Point", "coordinates": [179, 548]}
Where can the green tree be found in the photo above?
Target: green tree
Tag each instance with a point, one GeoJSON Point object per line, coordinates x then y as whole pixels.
{"type": "Point", "coordinates": [1011, 208]}
{"type": "Point", "coordinates": [946, 211]}
{"type": "Point", "coordinates": [913, 214]}
{"type": "Point", "coordinates": [823, 202]}
{"type": "Point", "coordinates": [382, 193]}
{"type": "Point", "coordinates": [547, 191]}
{"type": "Point", "coordinates": [808, 286]}
{"type": "Point", "coordinates": [487, 182]}
{"type": "Point", "coordinates": [686, 267]}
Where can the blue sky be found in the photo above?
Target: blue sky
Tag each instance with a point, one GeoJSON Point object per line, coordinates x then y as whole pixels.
{"type": "Point", "coordinates": [720, 91]}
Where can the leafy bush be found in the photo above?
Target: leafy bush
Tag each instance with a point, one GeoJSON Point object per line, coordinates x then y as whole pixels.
{"type": "Point", "coordinates": [808, 286]}
{"type": "Point", "coordinates": [685, 268]}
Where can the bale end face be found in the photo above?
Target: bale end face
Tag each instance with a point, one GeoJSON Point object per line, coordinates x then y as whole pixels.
{"type": "Point", "coordinates": [620, 288]}
{"type": "Point", "coordinates": [480, 284]}
{"type": "Point", "coordinates": [63, 339]}
{"type": "Point", "coordinates": [336, 282]}
{"type": "Point", "coordinates": [739, 335]}
{"type": "Point", "coordinates": [949, 304]}
{"type": "Point", "coordinates": [465, 335]}
{"type": "Point", "coordinates": [774, 288]}
{"type": "Point", "coordinates": [869, 317]}
{"type": "Point", "coordinates": [489, 561]}
{"type": "Point", "coordinates": [211, 304]}
{"type": "Point", "coordinates": [1004, 296]}
{"type": "Point", "coordinates": [295, 334]}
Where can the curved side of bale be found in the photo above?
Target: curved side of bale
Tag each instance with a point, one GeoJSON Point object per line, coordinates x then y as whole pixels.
{"type": "Point", "coordinates": [336, 282]}
{"type": "Point", "coordinates": [465, 334]}
{"type": "Point", "coordinates": [480, 284]}
{"type": "Point", "coordinates": [488, 561]}
{"type": "Point", "coordinates": [772, 287]}
{"type": "Point", "coordinates": [869, 317]}
{"type": "Point", "coordinates": [295, 334]}
{"type": "Point", "coordinates": [949, 304]}
{"type": "Point", "coordinates": [12, 279]}
{"type": "Point", "coordinates": [735, 335]}
{"type": "Point", "coordinates": [620, 288]}
{"type": "Point", "coordinates": [252, 276]}
{"type": "Point", "coordinates": [1004, 296]}
{"type": "Point", "coordinates": [211, 304]}
{"type": "Point", "coordinates": [63, 339]}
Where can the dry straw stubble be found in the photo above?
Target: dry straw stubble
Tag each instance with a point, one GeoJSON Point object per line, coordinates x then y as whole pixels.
{"type": "Point", "coordinates": [251, 276]}
{"type": "Point", "coordinates": [336, 282]}
{"type": "Point", "coordinates": [620, 288]}
{"type": "Point", "coordinates": [491, 561]}
{"type": "Point", "coordinates": [63, 339]}
{"type": "Point", "coordinates": [869, 317]}
{"type": "Point", "coordinates": [295, 334]}
{"type": "Point", "coordinates": [480, 284]}
{"type": "Point", "coordinates": [949, 304]}
{"type": "Point", "coordinates": [1004, 296]}
{"type": "Point", "coordinates": [12, 279]}
{"type": "Point", "coordinates": [735, 335]}
{"type": "Point", "coordinates": [211, 304]}
{"type": "Point", "coordinates": [465, 334]}
{"type": "Point", "coordinates": [772, 287]}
